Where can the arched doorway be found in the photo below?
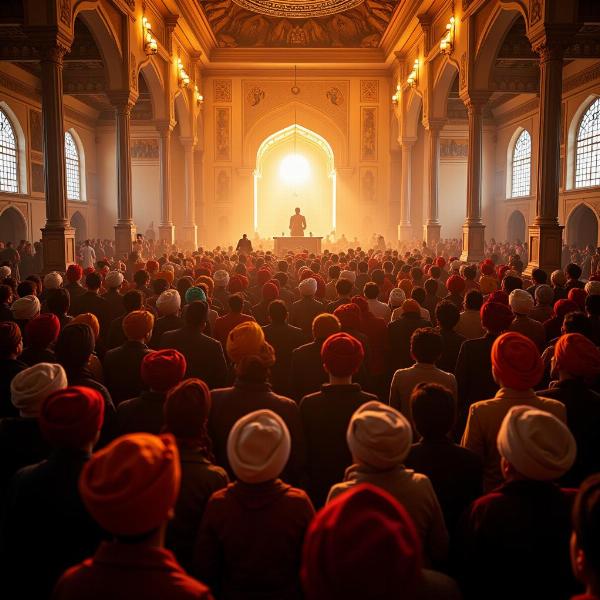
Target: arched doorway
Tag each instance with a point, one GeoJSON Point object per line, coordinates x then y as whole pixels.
{"type": "Point", "coordinates": [516, 227]}
{"type": "Point", "coordinates": [582, 227]}
{"type": "Point", "coordinates": [13, 227]}
{"type": "Point", "coordinates": [79, 224]}
{"type": "Point", "coordinates": [294, 168]}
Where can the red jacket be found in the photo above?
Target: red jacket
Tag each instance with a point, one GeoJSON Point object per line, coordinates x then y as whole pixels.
{"type": "Point", "coordinates": [125, 571]}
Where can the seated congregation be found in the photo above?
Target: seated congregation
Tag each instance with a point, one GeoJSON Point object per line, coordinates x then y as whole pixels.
{"type": "Point", "coordinates": [356, 425]}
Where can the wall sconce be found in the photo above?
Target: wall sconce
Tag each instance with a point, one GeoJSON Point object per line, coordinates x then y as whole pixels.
{"type": "Point", "coordinates": [199, 97]}
{"type": "Point", "coordinates": [413, 77]}
{"type": "Point", "coordinates": [396, 96]}
{"type": "Point", "coordinates": [150, 43]}
{"type": "Point", "coordinates": [184, 78]}
{"type": "Point", "coordinates": [447, 42]}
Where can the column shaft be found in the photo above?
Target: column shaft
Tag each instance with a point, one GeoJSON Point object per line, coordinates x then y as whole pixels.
{"type": "Point", "coordinates": [432, 227]}
{"type": "Point", "coordinates": [166, 230]}
{"type": "Point", "coordinates": [190, 229]}
{"type": "Point", "coordinates": [405, 232]}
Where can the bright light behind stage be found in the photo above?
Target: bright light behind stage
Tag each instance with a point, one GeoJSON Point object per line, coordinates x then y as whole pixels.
{"type": "Point", "coordinates": [294, 169]}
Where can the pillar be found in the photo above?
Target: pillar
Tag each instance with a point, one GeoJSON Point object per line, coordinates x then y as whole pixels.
{"type": "Point", "coordinates": [190, 229]}
{"type": "Point", "coordinates": [432, 225]}
{"type": "Point", "coordinates": [545, 235]}
{"type": "Point", "coordinates": [405, 232]}
{"type": "Point", "coordinates": [473, 228]}
{"type": "Point", "coordinates": [58, 237]}
{"type": "Point", "coordinates": [166, 230]}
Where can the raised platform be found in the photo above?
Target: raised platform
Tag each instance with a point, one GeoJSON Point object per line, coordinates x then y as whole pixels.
{"type": "Point", "coordinates": [297, 244]}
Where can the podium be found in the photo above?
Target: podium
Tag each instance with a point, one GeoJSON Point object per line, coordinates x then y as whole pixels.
{"type": "Point", "coordinates": [297, 244]}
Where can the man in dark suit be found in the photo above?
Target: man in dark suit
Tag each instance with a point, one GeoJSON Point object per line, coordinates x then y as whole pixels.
{"type": "Point", "coordinates": [92, 302]}
{"type": "Point", "coordinates": [400, 332]}
{"type": "Point", "coordinates": [204, 355]}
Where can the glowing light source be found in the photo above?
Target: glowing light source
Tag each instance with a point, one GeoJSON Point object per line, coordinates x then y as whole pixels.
{"type": "Point", "coordinates": [413, 77]}
{"type": "Point", "coordinates": [396, 96]}
{"type": "Point", "coordinates": [294, 169]}
{"type": "Point", "coordinates": [150, 43]}
{"type": "Point", "coordinates": [447, 42]}
{"type": "Point", "coordinates": [184, 78]}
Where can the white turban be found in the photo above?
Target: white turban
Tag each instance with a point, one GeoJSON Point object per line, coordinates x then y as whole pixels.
{"type": "Point", "coordinates": [169, 267]}
{"type": "Point", "coordinates": [221, 278]}
{"type": "Point", "coordinates": [26, 308]}
{"type": "Point", "coordinates": [258, 446]}
{"type": "Point", "coordinates": [397, 297]}
{"type": "Point", "coordinates": [53, 280]}
{"type": "Point", "coordinates": [455, 265]}
{"type": "Point", "coordinates": [537, 444]}
{"type": "Point", "coordinates": [169, 302]}
{"type": "Point", "coordinates": [349, 275]}
{"type": "Point", "coordinates": [308, 287]}
{"type": "Point", "coordinates": [379, 436]}
{"type": "Point", "coordinates": [592, 288]}
{"type": "Point", "coordinates": [521, 302]}
{"type": "Point", "coordinates": [113, 279]}
{"type": "Point", "coordinates": [30, 387]}
{"type": "Point", "coordinates": [5, 271]}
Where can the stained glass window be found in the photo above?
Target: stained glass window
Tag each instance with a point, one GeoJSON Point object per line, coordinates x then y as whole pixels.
{"type": "Point", "coordinates": [587, 169]}
{"type": "Point", "coordinates": [72, 168]}
{"type": "Point", "coordinates": [8, 156]}
{"type": "Point", "coordinates": [521, 166]}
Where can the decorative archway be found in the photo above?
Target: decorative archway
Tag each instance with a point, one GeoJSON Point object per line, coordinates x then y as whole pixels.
{"type": "Point", "coordinates": [80, 226]}
{"type": "Point", "coordinates": [517, 228]}
{"type": "Point", "coordinates": [13, 227]}
{"type": "Point", "coordinates": [582, 227]}
{"type": "Point", "coordinates": [285, 140]}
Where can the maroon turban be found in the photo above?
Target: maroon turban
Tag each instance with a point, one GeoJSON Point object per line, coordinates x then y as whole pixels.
{"type": "Point", "coordinates": [577, 355]}
{"type": "Point", "coordinates": [270, 292]}
{"type": "Point", "coordinates": [43, 330]}
{"type": "Point", "coordinates": [578, 295]}
{"type": "Point", "coordinates": [455, 284]}
{"type": "Point", "coordinates": [564, 307]}
{"type": "Point", "coordinates": [496, 317]}
{"type": "Point", "coordinates": [349, 316]}
{"type": "Point", "coordinates": [163, 369]}
{"type": "Point", "coordinates": [517, 361]}
{"type": "Point", "coordinates": [262, 276]}
{"type": "Point", "coordinates": [342, 354]}
{"type": "Point", "coordinates": [499, 296]}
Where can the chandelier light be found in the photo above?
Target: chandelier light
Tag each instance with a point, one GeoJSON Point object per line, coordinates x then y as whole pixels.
{"type": "Point", "coordinates": [184, 78]}
{"type": "Point", "coordinates": [413, 77]}
{"type": "Point", "coordinates": [150, 43]}
{"type": "Point", "coordinates": [447, 42]}
{"type": "Point", "coordinates": [298, 9]}
{"type": "Point", "coordinates": [396, 96]}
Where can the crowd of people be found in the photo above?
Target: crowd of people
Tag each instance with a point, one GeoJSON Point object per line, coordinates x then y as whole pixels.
{"type": "Point", "coordinates": [373, 424]}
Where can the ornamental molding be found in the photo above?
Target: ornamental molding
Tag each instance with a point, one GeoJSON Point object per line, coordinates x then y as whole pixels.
{"type": "Point", "coordinates": [298, 9]}
{"type": "Point", "coordinates": [582, 78]}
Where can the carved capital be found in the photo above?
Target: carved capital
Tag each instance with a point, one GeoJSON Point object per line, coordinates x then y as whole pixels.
{"type": "Point", "coordinates": [122, 102]}
{"type": "Point", "coordinates": [548, 49]}
{"type": "Point", "coordinates": [164, 127]}
{"type": "Point", "coordinates": [475, 105]}
{"type": "Point", "coordinates": [52, 50]}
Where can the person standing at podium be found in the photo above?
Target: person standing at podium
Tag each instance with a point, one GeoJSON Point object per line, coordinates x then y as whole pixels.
{"type": "Point", "coordinates": [297, 224]}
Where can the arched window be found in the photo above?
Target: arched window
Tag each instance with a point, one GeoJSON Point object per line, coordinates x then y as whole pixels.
{"type": "Point", "coordinates": [521, 166]}
{"type": "Point", "coordinates": [9, 181]}
{"type": "Point", "coordinates": [72, 168]}
{"type": "Point", "coordinates": [587, 165]}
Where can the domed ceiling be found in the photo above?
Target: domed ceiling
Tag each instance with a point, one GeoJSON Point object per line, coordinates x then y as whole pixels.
{"type": "Point", "coordinates": [298, 23]}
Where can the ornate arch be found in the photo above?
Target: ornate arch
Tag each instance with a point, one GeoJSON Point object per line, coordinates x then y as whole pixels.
{"type": "Point", "coordinates": [441, 88]}
{"type": "Point", "coordinates": [22, 152]}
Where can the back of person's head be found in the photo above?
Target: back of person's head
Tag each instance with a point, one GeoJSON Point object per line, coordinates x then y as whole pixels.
{"type": "Point", "coordinates": [324, 325]}
{"type": "Point", "coordinates": [447, 314]}
{"type": "Point", "coordinates": [58, 301]}
{"type": "Point", "coordinates": [539, 276]}
{"type": "Point", "coordinates": [26, 288]}
{"type": "Point", "coordinates": [5, 294]}
{"type": "Point", "coordinates": [496, 317]}
{"type": "Point", "coordinates": [282, 277]}
{"type": "Point", "coordinates": [474, 300]}
{"type": "Point", "coordinates": [278, 311]}
{"type": "Point", "coordinates": [342, 355]}
{"type": "Point", "coordinates": [133, 300]}
{"type": "Point", "coordinates": [334, 271]}
{"type": "Point", "coordinates": [573, 271]}
{"type": "Point", "coordinates": [30, 387]}
{"type": "Point", "coordinates": [75, 345]}
{"type": "Point", "coordinates": [585, 551]}
{"type": "Point", "coordinates": [196, 313]}
{"type": "Point", "coordinates": [435, 272]}
{"type": "Point", "coordinates": [163, 369]}
{"type": "Point", "coordinates": [371, 290]}
{"type": "Point", "coordinates": [236, 303]}
{"type": "Point", "coordinates": [159, 286]}
{"type": "Point", "coordinates": [426, 345]}
{"type": "Point", "coordinates": [93, 281]}
{"type": "Point", "coordinates": [343, 287]}
{"type": "Point", "coordinates": [592, 305]}
{"type": "Point", "coordinates": [418, 294]}
{"type": "Point", "coordinates": [378, 276]}
{"type": "Point", "coordinates": [416, 274]}
{"type": "Point", "coordinates": [433, 410]}
{"type": "Point", "coordinates": [470, 272]}
{"type": "Point", "coordinates": [577, 322]}
{"type": "Point", "coordinates": [431, 287]}
{"type": "Point", "coordinates": [11, 340]}
{"type": "Point", "coordinates": [516, 362]}
{"type": "Point", "coordinates": [363, 266]}
{"type": "Point", "coordinates": [138, 324]}
{"type": "Point", "coordinates": [141, 277]}
{"type": "Point", "coordinates": [511, 282]}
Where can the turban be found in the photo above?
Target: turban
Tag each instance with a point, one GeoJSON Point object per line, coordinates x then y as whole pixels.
{"type": "Point", "coordinates": [324, 325]}
{"type": "Point", "coordinates": [496, 317]}
{"type": "Point", "coordinates": [440, 262]}
{"type": "Point", "coordinates": [487, 268]}
{"type": "Point", "coordinates": [499, 296]}
{"type": "Point", "coordinates": [362, 303]}
{"type": "Point", "coordinates": [342, 354]}
{"type": "Point", "coordinates": [246, 339]}
{"type": "Point", "coordinates": [362, 540]}
{"type": "Point", "coordinates": [521, 302]}
{"type": "Point", "coordinates": [564, 307]}
{"type": "Point", "coordinates": [258, 447]}
{"type": "Point", "coordinates": [138, 324]}
{"type": "Point", "coordinates": [187, 408]}
{"type": "Point", "coordinates": [43, 330]}
{"type": "Point", "coordinates": [502, 270]}
{"type": "Point", "coordinates": [270, 291]}
{"type": "Point", "coordinates": [235, 284]}
{"type": "Point", "coordinates": [373, 264]}
{"type": "Point", "coordinates": [30, 387]}
{"type": "Point", "coordinates": [305, 273]}
{"type": "Point", "coordinates": [455, 265]}
{"type": "Point", "coordinates": [379, 436]}
{"type": "Point", "coordinates": [308, 287]}
{"type": "Point", "coordinates": [397, 297]}
{"type": "Point", "coordinates": [25, 308]}
{"type": "Point", "coordinates": [558, 277]}
{"type": "Point", "coordinates": [516, 361]}
{"type": "Point", "coordinates": [406, 286]}
{"type": "Point", "coordinates": [411, 306]}
{"type": "Point", "coordinates": [89, 319]}
{"type": "Point", "coordinates": [592, 288]}
{"type": "Point", "coordinates": [488, 284]}
{"type": "Point", "coordinates": [5, 271]}
{"type": "Point", "coordinates": [221, 278]}
{"type": "Point", "coordinates": [208, 282]}
{"type": "Point", "coordinates": [74, 273]}
{"type": "Point", "coordinates": [163, 369]}
{"type": "Point", "coordinates": [537, 444]}
{"type": "Point", "coordinates": [349, 316]}
{"type": "Point", "coordinates": [168, 276]}
{"type": "Point", "coordinates": [321, 286]}
{"type": "Point", "coordinates": [169, 302]}
{"type": "Point", "coordinates": [262, 276]}
{"type": "Point", "coordinates": [577, 355]}
{"type": "Point", "coordinates": [455, 284]}
{"type": "Point", "coordinates": [113, 279]}
{"type": "Point", "coordinates": [72, 417]}
{"type": "Point", "coordinates": [578, 296]}
{"type": "Point", "coordinates": [53, 280]}
{"type": "Point", "coordinates": [131, 486]}
{"type": "Point", "coordinates": [544, 294]}
{"type": "Point", "coordinates": [194, 293]}
{"type": "Point", "coordinates": [152, 266]}
{"type": "Point", "coordinates": [349, 275]}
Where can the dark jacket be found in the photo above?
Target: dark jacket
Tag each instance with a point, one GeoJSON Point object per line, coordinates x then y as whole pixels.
{"type": "Point", "coordinates": [250, 541]}
{"type": "Point", "coordinates": [451, 343]}
{"type": "Point", "coordinates": [8, 369]}
{"type": "Point", "coordinates": [307, 373]}
{"type": "Point", "coordinates": [162, 325]}
{"type": "Point", "coordinates": [303, 313]}
{"type": "Point", "coordinates": [33, 356]}
{"type": "Point", "coordinates": [399, 333]}
{"type": "Point", "coordinates": [285, 339]}
{"type": "Point", "coordinates": [116, 335]}
{"type": "Point", "coordinates": [122, 370]}
{"type": "Point", "coordinates": [95, 304]}
{"type": "Point", "coordinates": [75, 290]}
{"type": "Point", "coordinates": [325, 417]}
{"type": "Point", "coordinates": [141, 414]}
{"type": "Point", "coordinates": [204, 355]}
{"type": "Point", "coordinates": [115, 302]}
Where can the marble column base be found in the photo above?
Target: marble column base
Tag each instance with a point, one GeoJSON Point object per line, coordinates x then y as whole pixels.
{"type": "Point", "coordinates": [545, 247]}
{"type": "Point", "coordinates": [124, 238]}
{"type": "Point", "coordinates": [405, 232]}
{"type": "Point", "coordinates": [473, 242]}
{"type": "Point", "coordinates": [190, 237]}
{"type": "Point", "coordinates": [167, 233]}
{"type": "Point", "coordinates": [59, 247]}
{"type": "Point", "coordinates": [431, 233]}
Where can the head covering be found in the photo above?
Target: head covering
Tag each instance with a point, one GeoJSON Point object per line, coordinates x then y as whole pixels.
{"type": "Point", "coordinates": [342, 354]}
{"type": "Point", "coordinates": [349, 316]}
{"type": "Point", "coordinates": [247, 339]}
{"type": "Point", "coordinates": [258, 447]}
{"type": "Point", "coordinates": [496, 317]}
{"type": "Point", "coordinates": [521, 302]}
{"type": "Point", "coordinates": [488, 285]}
{"type": "Point", "coordinates": [516, 361]}
{"type": "Point", "coordinates": [578, 296]}
{"type": "Point", "coordinates": [411, 306]}
{"type": "Point", "coordinates": [152, 266]}
{"type": "Point", "coordinates": [487, 268]}
{"type": "Point", "coordinates": [558, 278]}
{"type": "Point", "coordinates": [5, 271]}
{"type": "Point", "coordinates": [163, 369]}
{"type": "Point", "coordinates": [72, 417]}
{"type": "Point", "coordinates": [379, 436]}
{"type": "Point", "coordinates": [89, 319]}
{"type": "Point", "coordinates": [325, 325]}
{"type": "Point", "coordinates": [362, 540]}
{"type": "Point", "coordinates": [168, 276]}
{"type": "Point", "coordinates": [235, 284]}
{"type": "Point", "coordinates": [221, 278]}
{"type": "Point", "coordinates": [262, 276]}
{"type": "Point", "coordinates": [577, 355]}
{"type": "Point", "coordinates": [30, 387]}
{"type": "Point", "coordinates": [537, 444]}
{"type": "Point", "coordinates": [499, 296]}
{"type": "Point", "coordinates": [592, 288]}
{"type": "Point", "coordinates": [186, 411]}
{"type": "Point", "coordinates": [397, 297]}
{"type": "Point", "coordinates": [544, 294]}
{"type": "Point", "coordinates": [195, 293]}
{"type": "Point", "coordinates": [53, 280]}
{"type": "Point", "coordinates": [308, 287]}
{"type": "Point", "coordinates": [349, 275]}
{"type": "Point", "coordinates": [25, 308]}
{"type": "Point", "coordinates": [169, 302]}
{"type": "Point", "coordinates": [270, 291]}
{"type": "Point", "coordinates": [130, 486]}
{"type": "Point", "coordinates": [113, 279]}
{"type": "Point", "coordinates": [10, 336]}
{"type": "Point", "coordinates": [455, 284]}
{"type": "Point", "coordinates": [138, 324]}
{"type": "Point", "coordinates": [563, 307]}
{"type": "Point", "coordinates": [43, 330]}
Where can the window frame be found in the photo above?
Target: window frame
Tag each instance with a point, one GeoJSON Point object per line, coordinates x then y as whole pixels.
{"type": "Point", "coordinates": [594, 145]}
{"type": "Point", "coordinates": [16, 149]}
{"type": "Point", "coordinates": [525, 162]}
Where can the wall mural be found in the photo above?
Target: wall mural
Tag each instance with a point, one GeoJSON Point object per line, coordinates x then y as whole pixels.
{"type": "Point", "coordinates": [368, 121]}
{"type": "Point", "coordinates": [222, 133]}
{"type": "Point", "coordinates": [222, 185]}
{"type": "Point", "coordinates": [37, 178]}
{"type": "Point", "coordinates": [222, 90]}
{"type": "Point", "coordinates": [145, 149]}
{"type": "Point", "coordinates": [369, 90]}
{"type": "Point", "coordinates": [36, 133]}
{"type": "Point", "coordinates": [368, 185]}
{"type": "Point", "coordinates": [456, 149]}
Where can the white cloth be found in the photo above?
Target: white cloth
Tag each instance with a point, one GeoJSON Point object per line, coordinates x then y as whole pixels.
{"type": "Point", "coordinates": [221, 278]}
{"type": "Point", "coordinates": [397, 297]}
{"type": "Point", "coordinates": [380, 309]}
{"type": "Point", "coordinates": [88, 257]}
{"type": "Point", "coordinates": [26, 308]}
{"type": "Point", "coordinates": [113, 279]}
{"type": "Point", "coordinates": [592, 288]}
{"type": "Point", "coordinates": [53, 280]}
{"type": "Point", "coordinates": [169, 302]}
{"type": "Point", "coordinates": [32, 386]}
{"type": "Point", "coordinates": [5, 271]}
{"type": "Point", "coordinates": [308, 287]}
{"type": "Point", "coordinates": [521, 302]}
{"type": "Point", "coordinates": [349, 275]}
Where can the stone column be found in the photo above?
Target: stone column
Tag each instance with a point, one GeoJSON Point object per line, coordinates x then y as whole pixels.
{"type": "Point", "coordinates": [432, 226]}
{"type": "Point", "coordinates": [545, 235]}
{"type": "Point", "coordinates": [166, 230]}
{"type": "Point", "coordinates": [124, 229]}
{"type": "Point", "coordinates": [58, 237]}
{"type": "Point", "coordinates": [190, 230]}
{"type": "Point", "coordinates": [473, 228]}
{"type": "Point", "coordinates": [405, 230]}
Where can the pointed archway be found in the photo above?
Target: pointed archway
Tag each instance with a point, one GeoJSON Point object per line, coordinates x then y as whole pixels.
{"type": "Point", "coordinates": [582, 227]}
{"type": "Point", "coordinates": [517, 229]}
{"type": "Point", "coordinates": [80, 226]}
{"type": "Point", "coordinates": [13, 227]}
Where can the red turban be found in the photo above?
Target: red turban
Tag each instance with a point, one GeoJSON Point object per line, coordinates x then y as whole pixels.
{"type": "Point", "coordinates": [564, 307]}
{"type": "Point", "coordinates": [517, 361]}
{"type": "Point", "coordinates": [163, 369]}
{"type": "Point", "coordinates": [270, 292]}
{"type": "Point", "coordinates": [152, 266]}
{"type": "Point", "coordinates": [349, 316]}
{"type": "Point", "coordinates": [235, 284]}
{"type": "Point", "coordinates": [455, 284]}
{"type": "Point", "coordinates": [72, 417]}
{"type": "Point", "coordinates": [262, 276]}
{"type": "Point", "coordinates": [578, 295]}
{"type": "Point", "coordinates": [74, 273]}
{"type": "Point", "coordinates": [487, 268]}
{"type": "Point", "coordinates": [440, 262]}
{"type": "Point", "coordinates": [42, 330]}
{"type": "Point", "coordinates": [577, 355]}
{"type": "Point", "coordinates": [186, 410]}
{"type": "Point", "coordinates": [502, 270]}
{"type": "Point", "coordinates": [306, 274]}
{"type": "Point", "coordinates": [342, 354]}
{"type": "Point", "coordinates": [362, 303]}
{"type": "Point", "coordinates": [362, 540]}
{"type": "Point", "coordinates": [499, 296]}
{"type": "Point", "coordinates": [321, 288]}
{"type": "Point", "coordinates": [496, 317]}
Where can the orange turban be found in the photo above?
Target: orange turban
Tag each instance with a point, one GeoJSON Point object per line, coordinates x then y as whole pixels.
{"type": "Point", "coordinates": [138, 324]}
{"type": "Point", "coordinates": [247, 339]}
{"type": "Point", "coordinates": [130, 486]}
{"type": "Point", "coordinates": [324, 325]}
{"type": "Point", "coordinates": [168, 276]}
{"type": "Point", "coordinates": [577, 355]}
{"type": "Point", "coordinates": [517, 362]}
{"type": "Point", "coordinates": [91, 320]}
